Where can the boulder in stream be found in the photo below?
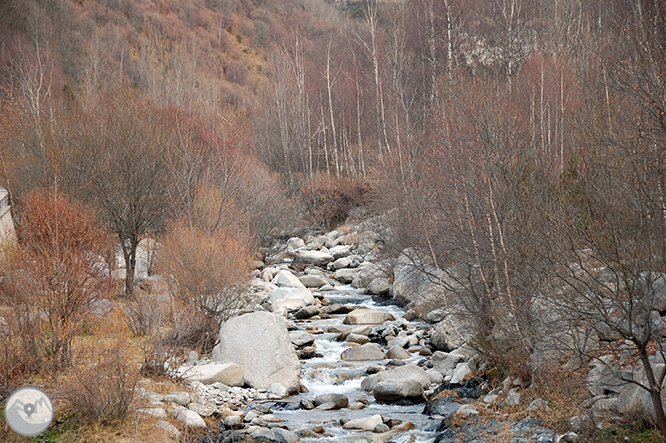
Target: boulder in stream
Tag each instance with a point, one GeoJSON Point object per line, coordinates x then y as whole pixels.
{"type": "Point", "coordinates": [368, 351]}
{"type": "Point", "coordinates": [367, 317]}
{"type": "Point", "coordinates": [260, 343]}
{"type": "Point", "coordinates": [391, 391]}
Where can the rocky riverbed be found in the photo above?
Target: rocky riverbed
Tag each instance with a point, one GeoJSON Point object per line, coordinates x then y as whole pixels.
{"type": "Point", "coordinates": [323, 353]}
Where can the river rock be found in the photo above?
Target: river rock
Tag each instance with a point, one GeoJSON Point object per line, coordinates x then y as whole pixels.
{"type": "Point", "coordinates": [368, 273]}
{"type": "Point", "coordinates": [340, 251]}
{"type": "Point", "coordinates": [445, 362]}
{"type": "Point", "coordinates": [461, 371]}
{"type": "Point", "coordinates": [295, 243]}
{"type": "Point", "coordinates": [452, 332]}
{"type": "Point", "coordinates": [364, 424]}
{"type": "Point", "coordinates": [368, 351]}
{"type": "Point", "coordinates": [369, 241]}
{"type": "Point", "coordinates": [341, 263]}
{"type": "Point", "coordinates": [203, 409]}
{"type": "Point", "coordinates": [303, 294]}
{"type": "Point", "coordinates": [282, 436]}
{"type": "Point", "coordinates": [284, 306]}
{"type": "Point", "coordinates": [228, 373]}
{"type": "Point", "coordinates": [345, 275]}
{"type": "Point", "coordinates": [260, 343]}
{"type": "Point", "coordinates": [180, 398]}
{"type": "Point", "coordinates": [357, 338]}
{"type": "Point", "coordinates": [286, 279]}
{"type": "Point", "coordinates": [313, 280]}
{"type": "Point", "coordinates": [306, 312]}
{"type": "Point", "coordinates": [232, 421]}
{"type": "Point", "coordinates": [407, 372]}
{"type": "Point", "coordinates": [279, 390]}
{"type": "Point", "coordinates": [311, 258]}
{"type": "Point", "coordinates": [367, 317]}
{"type": "Point", "coordinates": [301, 338]}
{"type": "Point", "coordinates": [190, 418]}
{"type": "Point", "coordinates": [155, 412]}
{"type": "Point", "coordinates": [398, 353]}
{"type": "Point", "coordinates": [338, 400]}
{"type": "Point", "coordinates": [391, 391]}
{"type": "Point", "coordinates": [378, 286]}
{"type": "Point", "coordinates": [436, 377]}
{"type": "Point", "coordinates": [337, 308]}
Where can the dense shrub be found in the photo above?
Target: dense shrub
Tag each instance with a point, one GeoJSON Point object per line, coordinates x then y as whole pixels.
{"type": "Point", "coordinates": [329, 199]}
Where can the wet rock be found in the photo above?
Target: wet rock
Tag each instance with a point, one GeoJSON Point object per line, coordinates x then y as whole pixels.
{"type": "Point", "coordinates": [307, 404]}
{"type": "Point", "coordinates": [364, 424]}
{"type": "Point", "coordinates": [282, 436]}
{"type": "Point", "coordinates": [337, 308]}
{"type": "Point", "coordinates": [391, 391]}
{"type": "Point", "coordinates": [407, 372]}
{"type": "Point", "coordinates": [380, 428]}
{"type": "Point", "coordinates": [259, 342]}
{"type": "Point", "coordinates": [368, 351]}
{"type": "Point", "coordinates": [338, 400]}
{"type": "Point", "coordinates": [367, 317]}
{"type": "Point", "coordinates": [301, 338]}
{"type": "Point", "coordinates": [443, 406]}
{"type": "Point", "coordinates": [228, 373]}
{"type": "Point", "coordinates": [306, 312]}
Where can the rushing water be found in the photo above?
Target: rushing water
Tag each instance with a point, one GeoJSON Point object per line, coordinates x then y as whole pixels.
{"type": "Point", "coordinates": [328, 374]}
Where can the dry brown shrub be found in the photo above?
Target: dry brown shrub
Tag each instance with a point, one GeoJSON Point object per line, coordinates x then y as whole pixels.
{"type": "Point", "coordinates": [102, 391]}
{"type": "Point", "coordinates": [329, 199]}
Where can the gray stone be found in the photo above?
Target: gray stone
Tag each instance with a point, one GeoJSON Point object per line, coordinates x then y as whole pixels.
{"type": "Point", "coordinates": [364, 423]}
{"type": "Point", "coordinates": [295, 244]}
{"type": "Point", "coordinates": [362, 330]}
{"type": "Point", "coordinates": [368, 273]}
{"type": "Point", "coordinates": [306, 312]}
{"type": "Point", "coordinates": [466, 411]}
{"type": "Point", "coordinates": [179, 397]}
{"type": "Point", "coordinates": [369, 241]}
{"type": "Point", "coordinates": [313, 280]}
{"type": "Point", "coordinates": [311, 258]}
{"type": "Point", "coordinates": [380, 428]}
{"type": "Point", "coordinates": [345, 275]}
{"type": "Point", "coordinates": [367, 317]}
{"type": "Point", "coordinates": [407, 372]}
{"type": "Point", "coordinates": [341, 263]}
{"type": "Point", "coordinates": [279, 390]}
{"type": "Point", "coordinates": [379, 286]}
{"type": "Point", "coordinates": [203, 409]}
{"type": "Point", "coordinates": [453, 332]}
{"type": "Point", "coordinates": [232, 421]}
{"type": "Point", "coordinates": [286, 279]}
{"type": "Point", "coordinates": [287, 305]}
{"type": "Point", "coordinates": [397, 352]}
{"type": "Point", "coordinates": [260, 343]}
{"type": "Point", "coordinates": [339, 401]}
{"type": "Point", "coordinates": [366, 352]}
{"type": "Point", "coordinates": [512, 398]}
{"type": "Point", "coordinates": [282, 436]}
{"type": "Point", "coordinates": [445, 362]}
{"type": "Point", "coordinates": [461, 371]}
{"type": "Point", "coordinates": [301, 338]}
{"type": "Point", "coordinates": [391, 391]}
{"type": "Point", "coordinates": [340, 251]}
{"type": "Point", "coordinates": [604, 377]}
{"type": "Point", "coordinates": [228, 373]}
{"type": "Point", "coordinates": [190, 418]}
{"type": "Point", "coordinates": [537, 405]}
{"type": "Point", "coordinates": [286, 293]}
{"type": "Point", "coordinates": [357, 338]}
{"type": "Point", "coordinates": [436, 377]}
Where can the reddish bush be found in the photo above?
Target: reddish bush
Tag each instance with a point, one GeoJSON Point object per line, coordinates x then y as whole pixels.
{"type": "Point", "coordinates": [329, 200]}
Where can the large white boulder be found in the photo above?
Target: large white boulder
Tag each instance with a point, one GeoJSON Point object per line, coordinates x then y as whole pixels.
{"type": "Point", "coordinates": [260, 343]}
